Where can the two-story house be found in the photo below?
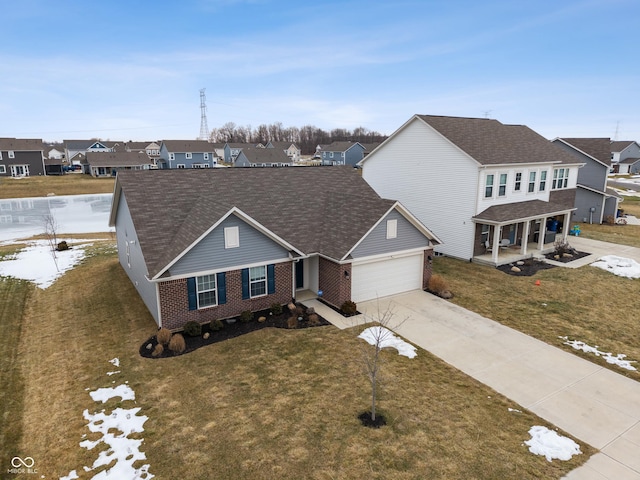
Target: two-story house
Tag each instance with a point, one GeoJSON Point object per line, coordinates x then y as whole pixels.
{"type": "Point", "coordinates": [289, 148]}
{"type": "Point", "coordinates": [21, 157]}
{"type": "Point", "coordinates": [186, 154]}
{"type": "Point", "coordinates": [492, 192]}
{"type": "Point", "coordinates": [152, 149]}
{"type": "Point", "coordinates": [232, 150]}
{"type": "Point", "coordinates": [342, 153]}
{"type": "Point", "coordinates": [625, 156]}
{"type": "Point", "coordinates": [594, 201]}
{"type": "Point", "coordinates": [108, 164]}
{"type": "Point", "coordinates": [262, 157]}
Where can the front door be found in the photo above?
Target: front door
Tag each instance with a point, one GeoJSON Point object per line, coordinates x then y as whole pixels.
{"type": "Point", "coordinates": [299, 274]}
{"type": "Point", "coordinates": [19, 170]}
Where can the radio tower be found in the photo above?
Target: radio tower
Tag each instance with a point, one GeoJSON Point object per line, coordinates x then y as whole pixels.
{"type": "Point", "coordinates": [204, 128]}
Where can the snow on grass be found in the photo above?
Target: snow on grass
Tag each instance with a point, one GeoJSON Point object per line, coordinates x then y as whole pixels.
{"type": "Point", "coordinates": [104, 394]}
{"type": "Point", "coordinates": [385, 338]}
{"type": "Point", "coordinates": [623, 267]}
{"type": "Point", "coordinates": [36, 264]}
{"type": "Point", "coordinates": [115, 426]}
{"type": "Point", "coordinates": [618, 360]}
{"type": "Point", "coordinates": [551, 445]}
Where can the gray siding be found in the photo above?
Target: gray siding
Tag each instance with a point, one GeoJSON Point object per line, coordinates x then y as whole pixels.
{"type": "Point", "coordinates": [376, 242]}
{"type": "Point", "coordinates": [593, 174]}
{"type": "Point", "coordinates": [210, 254]}
{"type": "Point", "coordinates": [33, 159]}
{"type": "Point", "coordinates": [586, 199]}
{"type": "Point", "coordinates": [134, 265]}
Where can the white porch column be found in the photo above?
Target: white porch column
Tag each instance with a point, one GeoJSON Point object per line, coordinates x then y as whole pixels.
{"type": "Point", "coordinates": [525, 237]}
{"type": "Point", "coordinates": [543, 231]}
{"type": "Point", "coordinates": [495, 245]}
{"type": "Point", "coordinates": [565, 226]}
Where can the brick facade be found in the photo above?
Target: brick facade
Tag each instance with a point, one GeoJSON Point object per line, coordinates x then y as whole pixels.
{"type": "Point", "coordinates": [174, 299]}
{"type": "Point", "coordinates": [335, 285]}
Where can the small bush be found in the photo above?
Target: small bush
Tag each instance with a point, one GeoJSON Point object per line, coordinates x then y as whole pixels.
{"type": "Point", "coordinates": [62, 246]}
{"type": "Point", "coordinates": [349, 308]}
{"type": "Point", "coordinates": [192, 328]}
{"type": "Point", "coordinates": [291, 307]}
{"type": "Point", "coordinates": [177, 344]}
{"type": "Point", "coordinates": [299, 310]}
{"type": "Point", "coordinates": [216, 325]}
{"type": "Point", "coordinates": [560, 247]}
{"type": "Point", "coordinates": [437, 284]}
{"type": "Point", "coordinates": [314, 319]}
{"type": "Point", "coordinates": [163, 336]}
{"type": "Point", "coordinates": [158, 350]}
{"type": "Point", "coordinates": [292, 322]}
{"type": "Point", "coordinates": [276, 309]}
{"type": "Point", "coordinates": [246, 316]}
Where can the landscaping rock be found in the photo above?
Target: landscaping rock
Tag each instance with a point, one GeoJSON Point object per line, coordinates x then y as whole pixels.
{"type": "Point", "coordinates": [519, 262]}
{"type": "Point", "coordinates": [567, 255]}
{"type": "Point", "coordinates": [556, 257]}
{"type": "Point", "coordinates": [446, 294]}
{"type": "Point", "coordinates": [206, 335]}
{"type": "Point", "coordinates": [262, 319]}
{"type": "Point", "coordinates": [515, 269]}
{"type": "Point", "coordinates": [149, 346]}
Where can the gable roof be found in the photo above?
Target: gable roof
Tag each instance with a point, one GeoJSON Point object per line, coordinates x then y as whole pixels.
{"type": "Point", "coordinates": [192, 146]}
{"type": "Point", "coordinates": [283, 145]}
{"type": "Point", "coordinates": [597, 148]}
{"type": "Point", "coordinates": [340, 146]}
{"type": "Point", "coordinates": [323, 210]}
{"type": "Point", "coordinates": [117, 159]}
{"type": "Point", "coordinates": [630, 161]}
{"type": "Point", "coordinates": [265, 155]}
{"type": "Point", "coordinates": [490, 142]}
{"type": "Point", "coordinates": [620, 145]}
{"type": "Point", "coordinates": [21, 144]}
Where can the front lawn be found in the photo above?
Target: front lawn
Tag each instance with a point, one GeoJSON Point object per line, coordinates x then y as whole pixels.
{"type": "Point", "coordinates": [41, 186]}
{"type": "Point", "coordinates": [274, 403]}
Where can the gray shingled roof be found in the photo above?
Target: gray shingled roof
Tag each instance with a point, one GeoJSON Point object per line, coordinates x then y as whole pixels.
{"type": "Point", "coordinates": [117, 159]}
{"type": "Point", "coordinates": [512, 212]}
{"type": "Point", "coordinates": [629, 161]}
{"type": "Point", "coordinates": [598, 148]}
{"type": "Point", "coordinates": [266, 155]}
{"type": "Point", "coordinates": [490, 142]}
{"type": "Point", "coordinates": [619, 145]}
{"type": "Point", "coordinates": [339, 146]}
{"type": "Point", "coordinates": [21, 144]}
{"type": "Point", "coordinates": [316, 209]}
{"type": "Point", "coordinates": [192, 146]}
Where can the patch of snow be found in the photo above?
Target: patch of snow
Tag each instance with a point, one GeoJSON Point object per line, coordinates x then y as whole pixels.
{"type": "Point", "coordinates": [72, 475]}
{"type": "Point", "coordinates": [623, 267]}
{"type": "Point", "coordinates": [113, 373]}
{"type": "Point", "coordinates": [514, 410]}
{"type": "Point", "coordinates": [618, 360]}
{"type": "Point", "coordinates": [385, 338]}
{"type": "Point", "coordinates": [36, 264]}
{"type": "Point", "coordinates": [551, 445]}
{"type": "Point", "coordinates": [115, 362]}
{"type": "Point", "coordinates": [104, 394]}
{"type": "Point", "coordinates": [123, 450]}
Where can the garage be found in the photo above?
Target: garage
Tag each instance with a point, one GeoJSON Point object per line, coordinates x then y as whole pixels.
{"type": "Point", "coordinates": [387, 276]}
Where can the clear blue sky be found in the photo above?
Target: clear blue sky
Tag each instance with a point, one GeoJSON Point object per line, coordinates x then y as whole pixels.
{"type": "Point", "coordinates": [132, 69]}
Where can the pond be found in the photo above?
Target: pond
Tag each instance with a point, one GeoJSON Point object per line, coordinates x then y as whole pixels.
{"type": "Point", "coordinates": [24, 217]}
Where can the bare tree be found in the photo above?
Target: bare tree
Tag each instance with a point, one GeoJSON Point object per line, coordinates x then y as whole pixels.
{"type": "Point", "coordinates": [377, 337]}
{"type": "Point", "coordinates": [50, 225]}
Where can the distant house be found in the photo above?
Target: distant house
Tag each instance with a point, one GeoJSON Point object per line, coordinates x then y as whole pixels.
{"type": "Point", "coordinates": [108, 164]}
{"type": "Point", "coordinates": [262, 157]}
{"type": "Point", "coordinates": [594, 201]}
{"type": "Point", "coordinates": [232, 150]}
{"type": "Point", "coordinates": [21, 157]}
{"type": "Point", "coordinates": [228, 240]}
{"type": "Point", "coordinates": [625, 155]}
{"type": "Point", "coordinates": [493, 193]}
{"type": "Point", "coordinates": [76, 150]}
{"type": "Point", "coordinates": [186, 154]}
{"type": "Point", "coordinates": [54, 152]}
{"type": "Point", "coordinates": [289, 148]}
{"type": "Point", "coordinates": [342, 153]}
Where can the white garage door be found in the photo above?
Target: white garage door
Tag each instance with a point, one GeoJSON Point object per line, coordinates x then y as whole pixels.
{"type": "Point", "coordinates": [386, 277]}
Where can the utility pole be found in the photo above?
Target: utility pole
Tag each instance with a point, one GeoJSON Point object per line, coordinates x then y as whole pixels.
{"type": "Point", "coordinates": [204, 128]}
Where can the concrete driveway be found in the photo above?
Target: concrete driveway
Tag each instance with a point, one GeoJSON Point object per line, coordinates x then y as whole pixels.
{"type": "Point", "coordinates": [594, 404]}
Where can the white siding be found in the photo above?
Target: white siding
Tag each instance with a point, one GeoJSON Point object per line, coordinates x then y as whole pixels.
{"type": "Point", "coordinates": [436, 181]}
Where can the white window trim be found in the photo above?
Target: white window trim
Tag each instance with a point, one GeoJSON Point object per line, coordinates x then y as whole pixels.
{"type": "Point", "coordinates": [231, 237]}
{"type": "Point", "coordinates": [172, 156]}
{"type": "Point", "coordinates": [262, 280]}
{"type": "Point", "coordinates": [0, 155]}
{"type": "Point", "coordinates": [180, 165]}
{"type": "Point", "coordinates": [392, 228]}
{"type": "Point", "coordinates": [542, 183]}
{"type": "Point", "coordinates": [502, 187]}
{"type": "Point", "coordinates": [529, 181]}
{"type": "Point", "coordinates": [206, 156]}
{"type": "Point", "coordinates": [488, 188]}
{"type": "Point", "coordinates": [11, 154]}
{"type": "Point", "coordinates": [214, 289]}
{"type": "Point", "coordinates": [3, 169]}
{"type": "Point", "coordinates": [188, 155]}
{"type": "Point", "coordinates": [517, 184]}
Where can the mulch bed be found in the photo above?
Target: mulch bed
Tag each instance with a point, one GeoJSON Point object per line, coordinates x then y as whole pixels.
{"type": "Point", "coordinates": [574, 256]}
{"type": "Point", "coordinates": [231, 330]}
{"type": "Point", "coordinates": [528, 268]}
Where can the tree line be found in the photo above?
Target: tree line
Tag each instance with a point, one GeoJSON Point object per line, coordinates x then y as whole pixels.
{"type": "Point", "coordinates": [306, 137]}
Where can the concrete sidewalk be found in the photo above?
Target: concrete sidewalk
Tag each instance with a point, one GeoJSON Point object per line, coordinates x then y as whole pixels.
{"type": "Point", "coordinates": [596, 405]}
{"type": "Point", "coordinates": [597, 249]}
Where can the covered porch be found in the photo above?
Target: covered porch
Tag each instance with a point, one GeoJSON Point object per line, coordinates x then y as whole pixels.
{"type": "Point", "coordinates": [512, 232]}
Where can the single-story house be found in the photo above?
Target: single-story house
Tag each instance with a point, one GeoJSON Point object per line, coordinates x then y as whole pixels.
{"type": "Point", "coordinates": [223, 241]}
{"type": "Point", "coordinates": [107, 164]}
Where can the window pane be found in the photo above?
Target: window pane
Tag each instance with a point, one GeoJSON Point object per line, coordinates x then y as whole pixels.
{"type": "Point", "coordinates": [258, 288]}
{"type": "Point", "coordinates": [206, 282]}
{"type": "Point", "coordinates": [207, 299]}
{"type": "Point", "coordinates": [257, 273]}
